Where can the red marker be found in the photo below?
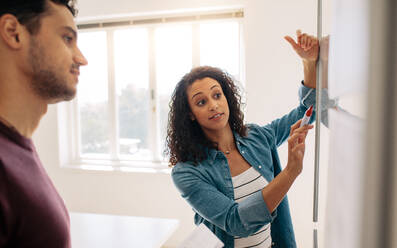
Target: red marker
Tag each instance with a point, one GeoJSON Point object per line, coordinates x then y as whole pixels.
{"type": "Point", "coordinates": [306, 117]}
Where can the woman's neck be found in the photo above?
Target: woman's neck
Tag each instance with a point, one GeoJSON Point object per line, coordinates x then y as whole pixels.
{"type": "Point", "coordinates": [224, 139]}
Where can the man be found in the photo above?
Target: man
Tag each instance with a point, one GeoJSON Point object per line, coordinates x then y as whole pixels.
{"type": "Point", "coordinates": [39, 65]}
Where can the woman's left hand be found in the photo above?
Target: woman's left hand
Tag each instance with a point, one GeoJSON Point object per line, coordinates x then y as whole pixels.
{"type": "Point", "coordinates": [307, 46]}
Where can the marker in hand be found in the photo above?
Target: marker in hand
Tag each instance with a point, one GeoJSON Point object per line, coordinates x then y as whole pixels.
{"type": "Point", "coordinates": [306, 117]}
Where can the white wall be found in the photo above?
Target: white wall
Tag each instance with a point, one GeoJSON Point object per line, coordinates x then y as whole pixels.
{"type": "Point", "coordinates": [273, 74]}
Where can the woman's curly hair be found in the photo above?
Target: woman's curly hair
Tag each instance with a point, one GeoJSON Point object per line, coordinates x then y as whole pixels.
{"type": "Point", "coordinates": [185, 138]}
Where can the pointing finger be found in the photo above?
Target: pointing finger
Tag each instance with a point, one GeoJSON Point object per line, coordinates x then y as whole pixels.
{"type": "Point", "coordinates": [292, 42]}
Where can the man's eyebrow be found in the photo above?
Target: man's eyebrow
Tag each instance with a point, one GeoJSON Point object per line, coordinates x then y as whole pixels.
{"type": "Point", "coordinates": [70, 29]}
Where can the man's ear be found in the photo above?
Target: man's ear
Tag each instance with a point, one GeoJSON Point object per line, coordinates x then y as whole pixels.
{"type": "Point", "coordinates": [11, 31]}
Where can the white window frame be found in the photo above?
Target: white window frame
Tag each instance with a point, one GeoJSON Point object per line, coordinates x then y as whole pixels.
{"type": "Point", "coordinates": [68, 116]}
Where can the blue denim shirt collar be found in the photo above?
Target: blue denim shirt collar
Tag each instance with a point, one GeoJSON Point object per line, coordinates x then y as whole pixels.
{"type": "Point", "coordinates": [212, 153]}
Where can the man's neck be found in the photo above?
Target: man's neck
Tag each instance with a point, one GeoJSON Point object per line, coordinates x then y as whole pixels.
{"type": "Point", "coordinates": [20, 108]}
{"type": "Point", "coordinates": [24, 120]}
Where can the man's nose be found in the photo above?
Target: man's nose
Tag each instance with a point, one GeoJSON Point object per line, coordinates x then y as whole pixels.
{"type": "Point", "coordinates": [80, 59]}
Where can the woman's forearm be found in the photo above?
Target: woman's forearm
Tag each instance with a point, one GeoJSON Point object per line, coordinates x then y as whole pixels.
{"type": "Point", "coordinates": [309, 71]}
{"type": "Point", "coordinates": [275, 191]}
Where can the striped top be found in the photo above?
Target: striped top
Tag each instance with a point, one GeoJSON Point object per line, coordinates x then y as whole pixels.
{"type": "Point", "coordinates": [245, 184]}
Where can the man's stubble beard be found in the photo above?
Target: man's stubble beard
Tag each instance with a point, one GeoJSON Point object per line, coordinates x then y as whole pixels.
{"type": "Point", "coordinates": [47, 81]}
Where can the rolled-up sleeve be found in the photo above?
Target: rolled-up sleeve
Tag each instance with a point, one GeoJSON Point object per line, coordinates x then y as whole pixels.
{"type": "Point", "coordinates": [249, 215]}
{"type": "Point", "coordinates": [307, 96]}
{"type": "Point", "coordinates": [280, 128]}
{"type": "Point", "coordinates": [236, 219]}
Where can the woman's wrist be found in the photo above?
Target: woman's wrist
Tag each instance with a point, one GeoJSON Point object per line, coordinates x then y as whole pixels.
{"type": "Point", "coordinates": [292, 172]}
{"type": "Point", "coordinates": [309, 71]}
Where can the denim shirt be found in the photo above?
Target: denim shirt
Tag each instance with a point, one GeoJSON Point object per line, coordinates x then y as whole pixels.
{"type": "Point", "coordinates": [208, 186]}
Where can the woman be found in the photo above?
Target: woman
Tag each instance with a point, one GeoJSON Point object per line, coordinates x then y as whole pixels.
{"type": "Point", "coordinates": [229, 172]}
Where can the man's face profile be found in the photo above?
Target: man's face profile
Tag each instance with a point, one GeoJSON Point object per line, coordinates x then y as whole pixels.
{"type": "Point", "coordinates": [54, 57]}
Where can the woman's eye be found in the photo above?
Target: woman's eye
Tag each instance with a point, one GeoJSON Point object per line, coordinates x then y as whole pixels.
{"type": "Point", "coordinates": [201, 103]}
{"type": "Point", "coordinates": [217, 95]}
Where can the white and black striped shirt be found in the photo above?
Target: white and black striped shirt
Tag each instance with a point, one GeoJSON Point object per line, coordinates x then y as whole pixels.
{"type": "Point", "coordinates": [245, 184]}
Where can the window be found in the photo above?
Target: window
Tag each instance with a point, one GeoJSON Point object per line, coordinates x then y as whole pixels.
{"type": "Point", "coordinates": [121, 110]}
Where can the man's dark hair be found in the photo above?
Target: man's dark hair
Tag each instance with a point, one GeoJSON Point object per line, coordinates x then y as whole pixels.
{"type": "Point", "coordinates": [29, 12]}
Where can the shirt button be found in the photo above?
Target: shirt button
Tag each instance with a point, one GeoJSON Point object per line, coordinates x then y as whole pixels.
{"type": "Point", "coordinates": [242, 152]}
{"type": "Point", "coordinates": [260, 166]}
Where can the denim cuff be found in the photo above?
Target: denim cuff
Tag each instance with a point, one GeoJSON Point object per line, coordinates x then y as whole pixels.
{"type": "Point", "coordinates": [253, 211]}
{"type": "Point", "coordinates": [307, 97]}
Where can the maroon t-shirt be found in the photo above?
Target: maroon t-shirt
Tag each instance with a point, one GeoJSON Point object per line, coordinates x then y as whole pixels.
{"type": "Point", "coordinates": [32, 214]}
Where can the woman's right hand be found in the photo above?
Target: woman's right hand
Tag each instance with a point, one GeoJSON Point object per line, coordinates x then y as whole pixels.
{"type": "Point", "coordinates": [296, 147]}
{"type": "Point", "coordinates": [274, 192]}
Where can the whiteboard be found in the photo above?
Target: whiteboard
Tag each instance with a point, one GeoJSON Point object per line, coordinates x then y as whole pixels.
{"type": "Point", "coordinates": [347, 75]}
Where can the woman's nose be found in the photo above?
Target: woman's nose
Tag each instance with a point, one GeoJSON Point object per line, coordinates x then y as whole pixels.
{"type": "Point", "coordinates": [213, 105]}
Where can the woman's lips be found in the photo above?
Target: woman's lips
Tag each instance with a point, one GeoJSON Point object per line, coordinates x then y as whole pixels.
{"type": "Point", "coordinates": [216, 116]}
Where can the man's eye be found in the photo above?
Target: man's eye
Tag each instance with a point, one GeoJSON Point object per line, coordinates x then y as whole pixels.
{"type": "Point", "coordinates": [68, 39]}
